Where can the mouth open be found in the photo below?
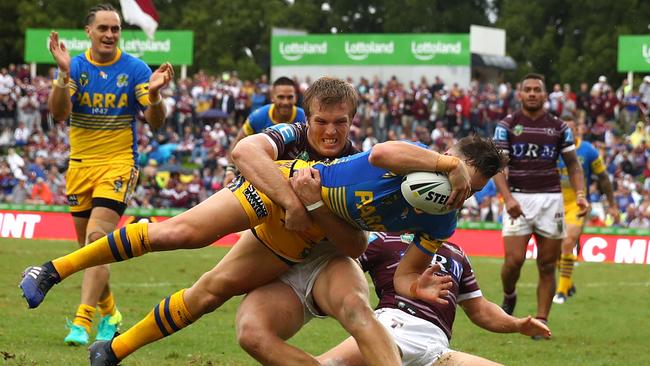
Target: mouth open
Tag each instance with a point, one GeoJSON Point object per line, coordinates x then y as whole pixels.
{"type": "Point", "coordinates": [330, 141]}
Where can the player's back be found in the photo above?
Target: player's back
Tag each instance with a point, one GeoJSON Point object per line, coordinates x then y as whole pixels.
{"type": "Point", "coordinates": [105, 100]}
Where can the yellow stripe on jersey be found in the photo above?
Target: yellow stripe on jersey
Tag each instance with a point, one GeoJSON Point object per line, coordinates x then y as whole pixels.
{"type": "Point", "coordinates": [246, 127]}
{"type": "Point", "coordinates": [142, 93]}
{"type": "Point", "coordinates": [598, 165]}
{"type": "Point", "coordinates": [95, 122]}
{"type": "Point", "coordinates": [73, 87]}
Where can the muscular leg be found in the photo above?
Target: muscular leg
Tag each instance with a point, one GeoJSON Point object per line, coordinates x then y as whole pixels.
{"type": "Point", "coordinates": [341, 290]}
{"type": "Point", "coordinates": [345, 353]}
{"type": "Point", "coordinates": [567, 258]}
{"type": "Point", "coordinates": [515, 255]}
{"type": "Point", "coordinates": [247, 265]}
{"type": "Point", "coordinates": [548, 251]}
{"type": "Point", "coordinates": [267, 317]}
{"type": "Point", "coordinates": [456, 358]}
{"type": "Point", "coordinates": [219, 215]}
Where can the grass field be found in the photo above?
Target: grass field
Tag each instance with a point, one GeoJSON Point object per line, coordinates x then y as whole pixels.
{"type": "Point", "coordinates": [607, 323]}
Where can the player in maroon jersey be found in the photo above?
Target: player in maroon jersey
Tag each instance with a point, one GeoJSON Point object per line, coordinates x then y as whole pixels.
{"type": "Point", "coordinates": [423, 330]}
{"type": "Point", "coordinates": [534, 140]}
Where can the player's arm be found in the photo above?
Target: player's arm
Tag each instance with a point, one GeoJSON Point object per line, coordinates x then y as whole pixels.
{"type": "Point", "coordinates": [59, 101]}
{"type": "Point", "coordinates": [347, 239]}
{"type": "Point", "coordinates": [415, 278]}
{"type": "Point", "coordinates": [577, 178]}
{"type": "Point", "coordinates": [403, 158]}
{"type": "Point", "coordinates": [606, 187]}
{"type": "Point", "coordinates": [490, 316]}
{"type": "Point", "coordinates": [254, 156]}
{"type": "Point", "coordinates": [159, 79]}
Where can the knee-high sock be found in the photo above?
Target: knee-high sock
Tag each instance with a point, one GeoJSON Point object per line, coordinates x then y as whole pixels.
{"type": "Point", "coordinates": [106, 306]}
{"type": "Point", "coordinates": [84, 316]}
{"type": "Point", "coordinates": [566, 270]}
{"type": "Point", "coordinates": [168, 317]}
{"type": "Point", "coordinates": [125, 243]}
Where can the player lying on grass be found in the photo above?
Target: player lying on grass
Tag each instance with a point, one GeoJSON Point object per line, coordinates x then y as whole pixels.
{"type": "Point", "coordinates": [353, 187]}
{"type": "Point", "coordinates": [423, 330]}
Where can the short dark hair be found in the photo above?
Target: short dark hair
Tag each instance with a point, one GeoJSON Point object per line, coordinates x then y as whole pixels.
{"type": "Point", "coordinates": [483, 154]}
{"type": "Point", "coordinates": [535, 76]}
{"type": "Point", "coordinates": [90, 17]}
{"type": "Point", "coordinates": [283, 80]}
{"type": "Point", "coordinates": [330, 91]}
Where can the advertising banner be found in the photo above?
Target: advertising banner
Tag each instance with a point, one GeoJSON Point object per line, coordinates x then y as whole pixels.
{"type": "Point", "coordinates": [477, 239]}
{"type": "Point", "coordinates": [633, 53]}
{"type": "Point", "coordinates": [176, 47]}
{"type": "Point", "coordinates": [371, 49]}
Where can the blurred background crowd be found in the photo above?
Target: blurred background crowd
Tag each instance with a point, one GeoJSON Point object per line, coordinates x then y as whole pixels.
{"type": "Point", "coordinates": [185, 162]}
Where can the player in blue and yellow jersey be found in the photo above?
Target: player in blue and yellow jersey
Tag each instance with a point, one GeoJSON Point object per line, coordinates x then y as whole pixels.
{"type": "Point", "coordinates": [281, 110]}
{"type": "Point", "coordinates": [102, 91]}
{"type": "Point", "coordinates": [377, 173]}
{"type": "Point", "coordinates": [592, 164]}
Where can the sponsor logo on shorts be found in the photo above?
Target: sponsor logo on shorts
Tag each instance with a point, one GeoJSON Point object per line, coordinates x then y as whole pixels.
{"type": "Point", "coordinates": [255, 201]}
{"type": "Point", "coordinates": [72, 200]}
{"type": "Point", "coordinates": [117, 185]}
{"type": "Point", "coordinates": [236, 183]}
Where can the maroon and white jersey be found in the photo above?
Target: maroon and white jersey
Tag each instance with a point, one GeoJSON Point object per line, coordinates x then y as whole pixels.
{"type": "Point", "coordinates": [290, 142]}
{"type": "Point", "coordinates": [381, 259]}
{"type": "Point", "coordinates": [533, 148]}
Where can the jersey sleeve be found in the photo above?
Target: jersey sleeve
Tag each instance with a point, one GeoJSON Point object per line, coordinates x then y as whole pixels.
{"type": "Point", "coordinates": [501, 136]}
{"type": "Point", "coordinates": [439, 230]}
{"type": "Point", "coordinates": [568, 141]}
{"type": "Point", "coordinates": [141, 75]}
{"type": "Point", "coordinates": [73, 84]}
{"type": "Point", "coordinates": [300, 116]}
{"type": "Point", "coordinates": [282, 135]}
{"type": "Point", "coordinates": [247, 128]}
{"type": "Point", "coordinates": [468, 287]}
{"type": "Point", "coordinates": [597, 164]}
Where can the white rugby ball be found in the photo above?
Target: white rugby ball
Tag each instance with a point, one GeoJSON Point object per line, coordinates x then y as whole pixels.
{"type": "Point", "coordinates": [427, 191]}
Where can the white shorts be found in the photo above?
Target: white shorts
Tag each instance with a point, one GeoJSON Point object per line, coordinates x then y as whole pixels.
{"type": "Point", "coordinates": [422, 343]}
{"type": "Point", "coordinates": [544, 215]}
{"type": "Point", "coordinates": [302, 276]}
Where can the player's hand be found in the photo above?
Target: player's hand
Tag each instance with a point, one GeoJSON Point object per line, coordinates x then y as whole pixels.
{"type": "Point", "coordinates": [59, 52]}
{"type": "Point", "coordinates": [161, 78]}
{"type": "Point", "coordinates": [530, 326]}
{"type": "Point", "coordinates": [460, 186]}
{"type": "Point", "coordinates": [583, 205]}
{"type": "Point", "coordinates": [432, 287]}
{"type": "Point", "coordinates": [306, 184]}
{"type": "Point", "coordinates": [513, 208]}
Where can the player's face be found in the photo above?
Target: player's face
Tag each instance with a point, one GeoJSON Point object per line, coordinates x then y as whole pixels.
{"type": "Point", "coordinates": [104, 33]}
{"type": "Point", "coordinates": [573, 126]}
{"type": "Point", "coordinates": [329, 128]}
{"type": "Point", "coordinates": [532, 95]}
{"type": "Point", "coordinates": [477, 180]}
{"type": "Point", "coordinates": [284, 97]}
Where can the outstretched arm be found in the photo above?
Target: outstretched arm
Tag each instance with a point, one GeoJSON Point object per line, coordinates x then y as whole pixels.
{"type": "Point", "coordinates": [59, 100]}
{"type": "Point", "coordinates": [402, 158]}
{"type": "Point", "coordinates": [490, 316]}
{"type": "Point", "coordinates": [415, 278]}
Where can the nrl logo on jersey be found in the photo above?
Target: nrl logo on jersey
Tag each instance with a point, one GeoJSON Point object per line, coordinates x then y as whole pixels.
{"type": "Point", "coordinates": [83, 79]}
{"type": "Point", "coordinates": [122, 80]}
{"type": "Point", "coordinates": [518, 130]}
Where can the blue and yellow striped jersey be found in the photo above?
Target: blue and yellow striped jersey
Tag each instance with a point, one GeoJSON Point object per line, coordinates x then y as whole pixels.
{"type": "Point", "coordinates": [262, 118]}
{"type": "Point", "coordinates": [370, 198]}
{"type": "Point", "coordinates": [591, 163]}
{"type": "Point", "coordinates": [106, 97]}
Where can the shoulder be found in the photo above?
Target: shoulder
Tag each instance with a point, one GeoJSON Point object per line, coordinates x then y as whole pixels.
{"type": "Point", "coordinates": [259, 113]}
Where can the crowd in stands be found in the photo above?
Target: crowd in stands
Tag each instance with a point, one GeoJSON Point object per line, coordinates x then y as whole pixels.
{"type": "Point", "coordinates": [185, 161]}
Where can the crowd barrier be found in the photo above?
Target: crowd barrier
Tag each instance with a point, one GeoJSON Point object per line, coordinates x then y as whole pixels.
{"type": "Point", "coordinates": [598, 244]}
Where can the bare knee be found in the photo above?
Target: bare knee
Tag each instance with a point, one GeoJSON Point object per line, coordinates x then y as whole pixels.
{"type": "Point", "coordinates": [251, 335]}
{"type": "Point", "coordinates": [546, 268]}
{"type": "Point", "coordinates": [354, 311]}
{"type": "Point", "coordinates": [168, 236]}
{"type": "Point", "coordinates": [210, 292]}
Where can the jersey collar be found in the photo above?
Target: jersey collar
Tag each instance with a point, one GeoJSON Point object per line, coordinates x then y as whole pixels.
{"type": "Point", "coordinates": [118, 54]}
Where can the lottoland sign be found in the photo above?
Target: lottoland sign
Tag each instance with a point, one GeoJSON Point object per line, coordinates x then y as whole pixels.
{"type": "Point", "coordinates": [633, 53]}
{"type": "Point", "coordinates": [176, 47]}
{"type": "Point", "coordinates": [371, 49]}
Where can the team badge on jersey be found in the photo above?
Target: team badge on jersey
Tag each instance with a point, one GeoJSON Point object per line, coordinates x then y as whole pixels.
{"type": "Point", "coordinates": [83, 79]}
{"type": "Point", "coordinates": [103, 75]}
{"type": "Point", "coordinates": [518, 130]}
{"type": "Point", "coordinates": [122, 80]}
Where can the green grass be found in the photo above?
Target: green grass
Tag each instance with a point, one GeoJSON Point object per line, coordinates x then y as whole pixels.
{"type": "Point", "coordinates": [607, 323]}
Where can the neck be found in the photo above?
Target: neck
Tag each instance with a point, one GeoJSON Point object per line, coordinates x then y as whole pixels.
{"type": "Point", "coordinates": [102, 58]}
{"type": "Point", "coordinates": [533, 115]}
